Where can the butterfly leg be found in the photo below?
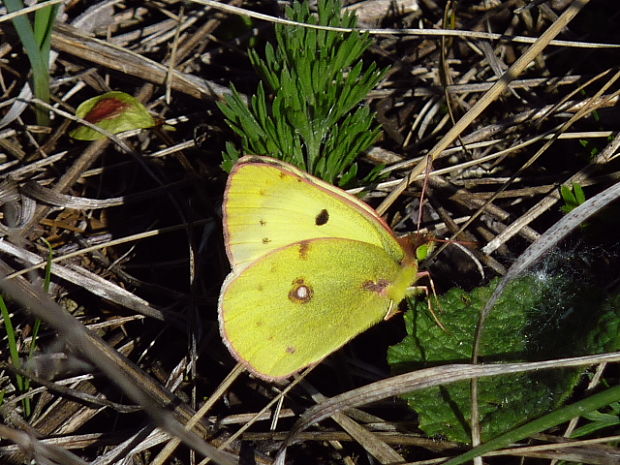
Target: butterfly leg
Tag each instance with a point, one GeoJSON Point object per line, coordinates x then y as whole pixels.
{"type": "Point", "coordinates": [392, 310]}
{"type": "Point", "coordinates": [416, 290]}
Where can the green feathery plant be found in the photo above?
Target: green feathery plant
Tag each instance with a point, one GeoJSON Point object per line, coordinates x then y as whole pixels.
{"type": "Point", "coordinates": [316, 80]}
{"type": "Point", "coordinates": [36, 41]}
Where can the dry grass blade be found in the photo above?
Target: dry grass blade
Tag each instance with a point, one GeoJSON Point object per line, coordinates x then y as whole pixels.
{"type": "Point", "coordinates": [90, 281]}
{"type": "Point", "coordinates": [371, 443]}
{"type": "Point", "coordinates": [73, 41]}
{"type": "Point", "coordinates": [569, 451]}
{"type": "Point", "coordinates": [39, 450]}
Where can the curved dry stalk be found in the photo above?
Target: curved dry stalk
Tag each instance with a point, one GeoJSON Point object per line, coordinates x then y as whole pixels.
{"type": "Point", "coordinates": [426, 378]}
{"type": "Point", "coordinates": [412, 32]}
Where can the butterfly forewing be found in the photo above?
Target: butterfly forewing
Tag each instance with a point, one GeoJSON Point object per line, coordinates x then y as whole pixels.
{"type": "Point", "coordinates": [269, 204]}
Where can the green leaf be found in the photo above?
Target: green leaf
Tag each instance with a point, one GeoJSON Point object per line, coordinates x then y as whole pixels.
{"type": "Point", "coordinates": [114, 112]}
{"type": "Point", "coordinates": [598, 420]}
{"type": "Point", "coordinates": [573, 197]}
{"type": "Point", "coordinates": [535, 319]}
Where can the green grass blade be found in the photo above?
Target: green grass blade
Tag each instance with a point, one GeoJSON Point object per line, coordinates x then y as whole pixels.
{"type": "Point", "coordinates": [543, 423]}
{"type": "Point", "coordinates": [37, 45]}
{"type": "Point", "coordinates": [10, 334]}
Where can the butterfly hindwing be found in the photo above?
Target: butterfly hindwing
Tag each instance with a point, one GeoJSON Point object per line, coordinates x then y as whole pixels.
{"type": "Point", "coordinates": [288, 310]}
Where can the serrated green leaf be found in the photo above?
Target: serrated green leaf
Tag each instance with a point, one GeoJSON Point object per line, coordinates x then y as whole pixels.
{"type": "Point", "coordinates": [535, 319]}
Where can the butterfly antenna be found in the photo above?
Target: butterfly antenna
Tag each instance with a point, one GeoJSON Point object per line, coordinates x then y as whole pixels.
{"type": "Point", "coordinates": [427, 172]}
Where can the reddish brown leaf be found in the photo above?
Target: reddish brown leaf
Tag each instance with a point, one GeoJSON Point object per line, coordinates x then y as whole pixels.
{"type": "Point", "coordinates": [106, 109]}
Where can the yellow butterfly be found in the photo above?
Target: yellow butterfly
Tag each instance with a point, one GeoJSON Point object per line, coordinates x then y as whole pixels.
{"type": "Point", "coordinates": [312, 267]}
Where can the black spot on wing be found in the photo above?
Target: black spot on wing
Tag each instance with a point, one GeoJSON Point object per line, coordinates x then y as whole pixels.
{"type": "Point", "coordinates": [322, 218]}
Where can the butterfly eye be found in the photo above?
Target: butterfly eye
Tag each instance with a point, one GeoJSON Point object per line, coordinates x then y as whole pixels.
{"type": "Point", "coordinates": [300, 292]}
{"type": "Point", "coordinates": [322, 218]}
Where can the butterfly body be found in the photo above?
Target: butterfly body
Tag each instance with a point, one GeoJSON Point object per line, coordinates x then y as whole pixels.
{"type": "Point", "coordinates": [312, 267]}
